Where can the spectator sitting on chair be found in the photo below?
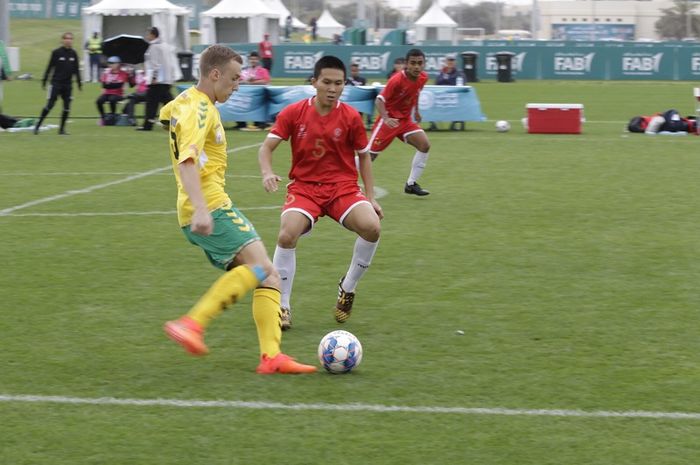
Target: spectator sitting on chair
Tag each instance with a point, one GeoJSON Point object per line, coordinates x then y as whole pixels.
{"type": "Point", "coordinates": [136, 97]}
{"type": "Point", "coordinates": [449, 76]}
{"type": "Point", "coordinates": [355, 79]}
{"type": "Point", "coordinates": [113, 80]}
{"type": "Point", "coordinates": [254, 74]}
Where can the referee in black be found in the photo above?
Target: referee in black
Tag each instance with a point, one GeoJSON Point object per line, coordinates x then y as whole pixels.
{"type": "Point", "coordinates": [64, 63]}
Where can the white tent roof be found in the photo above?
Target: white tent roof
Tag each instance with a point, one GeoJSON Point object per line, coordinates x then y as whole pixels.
{"type": "Point", "coordinates": [326, 20]}
{"type": "Point", "coordinates": [133, 7]}
{"type": "Point", "coordinates": [240, 9]}
{"type": "Point", "coordinates": [435, 17]}
{"type": "Point", "coordinates": [278, 6]}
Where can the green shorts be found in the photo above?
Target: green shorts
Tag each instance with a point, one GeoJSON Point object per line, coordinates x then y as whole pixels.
{"type": "Point", "coordinates": [232, 232]}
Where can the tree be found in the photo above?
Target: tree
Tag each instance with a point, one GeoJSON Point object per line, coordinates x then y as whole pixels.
{"type": "Point", "coordinates": [383, 16]}
{"type": "Point", "coordinates": [678, 21]}
{"type": "Point", "coordinates": [423, 7]}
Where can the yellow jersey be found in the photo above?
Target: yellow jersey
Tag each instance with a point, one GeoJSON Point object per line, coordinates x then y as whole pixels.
{"type": "Point", "coordinates": [196, 133]}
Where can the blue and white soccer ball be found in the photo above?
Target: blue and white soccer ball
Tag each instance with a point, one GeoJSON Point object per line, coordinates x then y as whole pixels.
{"type": "Point", "coordinates": [339, 351]}
{"type": "Point", "coordinates": [502, 126]}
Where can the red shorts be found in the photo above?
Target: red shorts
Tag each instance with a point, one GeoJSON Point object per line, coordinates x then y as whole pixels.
{"type": "Point", "coordinates": [382, 134]}
{"type": "Point", "coordinates": [315, 199]}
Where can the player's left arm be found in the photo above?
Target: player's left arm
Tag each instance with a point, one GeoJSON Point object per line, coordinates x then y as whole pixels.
{"type": "Point", "coordinates": [416, 111]}
{"type": "Point", "coordinates": [416, 114]}
{"type": "Point", "coordinates": [76, 71]}
{"type": "Point", "coordinates": [270, 180]}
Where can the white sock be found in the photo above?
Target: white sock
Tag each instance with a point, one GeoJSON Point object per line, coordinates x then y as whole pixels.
{"type": "Point", "coordinates": [417, 167]}
{"type": "Point", "coordinates": [285, 261]}
{"type": "Point", "coordinates": [361, 259]}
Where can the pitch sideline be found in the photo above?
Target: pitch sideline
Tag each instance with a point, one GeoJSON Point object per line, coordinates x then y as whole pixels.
{"type": "Point", "coordinates": [355, 407]}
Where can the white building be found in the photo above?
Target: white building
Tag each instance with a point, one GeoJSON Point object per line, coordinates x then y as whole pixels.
{"type": "Point", "coordinates": [599, 19]}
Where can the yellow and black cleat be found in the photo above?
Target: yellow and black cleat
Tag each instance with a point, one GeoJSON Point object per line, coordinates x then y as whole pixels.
{"type": "Point", "coordinates": [343, 307]}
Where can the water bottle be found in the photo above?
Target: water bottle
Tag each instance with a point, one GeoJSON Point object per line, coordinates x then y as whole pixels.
{"type": "Point", "coordinates": [460, 81]}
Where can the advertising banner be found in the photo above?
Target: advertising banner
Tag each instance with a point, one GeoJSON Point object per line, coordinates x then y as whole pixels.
{"type": "Point", "coordinates": [450, 103]}
{"type": "Point", "coordinates": [656, 63]}
{"type": "Point", "coordinates": [249, 103]}
{"type": "Point", "coordinates": [262, 103]}
{"type": "Point", "coordinates": [68, 9]}
{"type": "Point", "coordinates": [281, 96]}
{"type": "Point", "coordinates": [531, 59]}
{"type": "Point", "coordinates": [28, 9]}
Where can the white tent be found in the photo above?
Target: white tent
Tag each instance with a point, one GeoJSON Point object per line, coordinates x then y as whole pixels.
{"type": "Point", "coordinates": [236, 21]}
{"type": "Point", "coordinates": [113, 17]}
{"type": "Point", "coordinates": [278, 6]}
{"type": "Point", "coordinates": [327, 26]}
{"type": "Point", "coordinates": [435, 24]}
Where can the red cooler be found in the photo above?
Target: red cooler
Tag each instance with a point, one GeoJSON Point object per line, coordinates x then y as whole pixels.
{"type": "Point", "coordinates": [554, 118]}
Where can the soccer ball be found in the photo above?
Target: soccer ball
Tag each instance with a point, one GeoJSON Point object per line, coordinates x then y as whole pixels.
{"type": "Point", "coordinates": [339, 351]}
{"type": "Point", "coordinates": [502, 126]}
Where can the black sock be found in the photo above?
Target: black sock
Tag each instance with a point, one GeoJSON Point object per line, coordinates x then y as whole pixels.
{"type": "Point", "coordinates": [44, 112]}
{"type": "Point", "coordinates": [64, 117]}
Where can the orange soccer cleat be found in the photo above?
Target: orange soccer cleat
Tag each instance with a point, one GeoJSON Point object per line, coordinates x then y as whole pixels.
{"type": "Point", "coordinates": [188, 333]}
{"type": "Point", "coordinates": [283, 364]}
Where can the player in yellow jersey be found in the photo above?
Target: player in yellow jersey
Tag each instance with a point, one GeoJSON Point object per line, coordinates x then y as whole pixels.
{"type": "Point", "coordinates": [209, 219]}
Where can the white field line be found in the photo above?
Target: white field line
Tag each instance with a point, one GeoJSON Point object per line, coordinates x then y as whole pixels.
{"type": "Point", "coordinates": [105, 173]}
{"type": "Point", "coordinates": [95, 187]}
{"type": "Point", "coordinates": [372, 408]}
{"type": "Point", "coordinates": [153, 213]}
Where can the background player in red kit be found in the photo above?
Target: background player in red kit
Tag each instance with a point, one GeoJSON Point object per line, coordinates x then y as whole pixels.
{"type": "Point", "coordinates": [325, 134]}
{"type": "Point", "coordinates": [398, 108]}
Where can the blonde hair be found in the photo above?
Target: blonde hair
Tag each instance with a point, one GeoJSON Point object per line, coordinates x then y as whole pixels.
{"type": "Point", "coordinates": [216, 56]}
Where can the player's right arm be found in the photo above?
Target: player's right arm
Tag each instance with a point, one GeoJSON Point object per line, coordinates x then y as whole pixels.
{"type": "Point", "coordinates": [383, 114]}
{"type": "Point", "coordinates": [186, 145]}
{"type": "Point", "coordinates": [202, 222]}
{"type": "Point", "coordinates": [270, 180]}
{"type": "Point", "coordinates": [52, 63]}
{"type": "Point", "coordinates": [282, 130]}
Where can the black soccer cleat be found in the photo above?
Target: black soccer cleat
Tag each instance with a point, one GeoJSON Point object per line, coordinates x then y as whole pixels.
{"type": "Point", "coordinates": [343, 307]}
{"type": "Point", "coordinates": [415, 189]}
{"type": "Point", "coordinates": [285, 318]}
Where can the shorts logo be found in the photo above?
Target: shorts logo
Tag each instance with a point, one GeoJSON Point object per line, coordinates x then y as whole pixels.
{"type": "Point", "coordinates": [290, 199]}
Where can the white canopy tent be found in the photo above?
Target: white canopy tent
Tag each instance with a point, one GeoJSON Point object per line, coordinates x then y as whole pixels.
{"type": "Point", "coordinates": [435, 24]}
{"type": "Point", "coordinates": [236, 21]}
{"type": "Point", "coordinates": [278, 6]}
{"type": "Point", "coordinates": [113, 17]}
{"type": "Point", "coordinates": [327, 26]}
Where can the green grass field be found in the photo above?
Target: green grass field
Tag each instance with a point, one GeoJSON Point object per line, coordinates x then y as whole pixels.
{"type": "Point", "coordinates": [571, 263]}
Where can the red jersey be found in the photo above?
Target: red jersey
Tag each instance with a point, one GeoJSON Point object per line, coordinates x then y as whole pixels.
{"type": "Point", "coordinates": [323, 147]}
{"type": "Point", "coordinates": [265, 48]}
{"type": "Point", "coordinates": [401, 94]}
{"type": "Point", "coordinates": [113, 83]}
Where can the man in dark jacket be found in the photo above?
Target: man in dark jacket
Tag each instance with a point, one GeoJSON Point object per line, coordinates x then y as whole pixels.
{"type": "Point", "coordinates": [64, 64]}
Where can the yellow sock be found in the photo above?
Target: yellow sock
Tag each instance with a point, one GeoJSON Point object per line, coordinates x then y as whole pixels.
{"type": "Point", "coordinates": [230, 287]}
{"type": "Point", "coordinates": [266, 312]}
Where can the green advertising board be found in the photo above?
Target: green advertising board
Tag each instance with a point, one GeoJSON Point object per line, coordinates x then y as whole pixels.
{"type": "Point", "coordinates": [530, 60]}
{"type": "Point", "coordinates": [4, 58]}
{"type": "Point", "coordinates": [28, 9]}
{"type": "Point", "coordinates": [69, 9]}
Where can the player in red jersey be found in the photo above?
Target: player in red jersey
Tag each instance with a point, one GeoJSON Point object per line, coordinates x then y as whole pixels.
{"type": "Point", "coordinates": [398, 108]}
{"type": "Point", "coordinates": [325, 135]}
